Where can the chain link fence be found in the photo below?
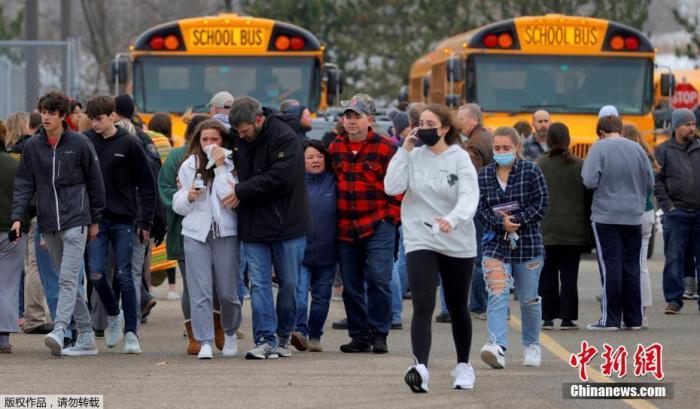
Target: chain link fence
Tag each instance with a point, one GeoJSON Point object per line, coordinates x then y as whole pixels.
{"type": "Point", "coordinates": [29, 69]}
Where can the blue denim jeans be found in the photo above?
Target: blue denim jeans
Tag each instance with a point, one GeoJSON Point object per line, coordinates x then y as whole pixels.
{"type": "Point", "coordinates": [499, 276]}
{"type": "Point", "coordinates": [679, 227]}
{"type": "Point", "coordinates": [120, 237]}
{"type": "Point", "coordinates": [368, 260]}
{"type": "Point", "coordinates": [320, 280]}
{"type": "Point", "coordinates": [399, 282]}
{"type": "Point", "coordinates": [286, 257]}
{"type": "Point", "coordinates": [478, 298]}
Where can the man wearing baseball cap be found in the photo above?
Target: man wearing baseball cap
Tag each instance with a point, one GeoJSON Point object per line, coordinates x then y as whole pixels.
{"type": "Point", "coordinates": [219, 107]}
{"type": "Point", "coordinates": [367, 220]}
{"type": "Point", "coordinates": [677, 192]}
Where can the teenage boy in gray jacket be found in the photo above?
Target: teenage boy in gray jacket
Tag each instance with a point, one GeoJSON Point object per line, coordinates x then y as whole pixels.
{"type": "Point", "coordinates": [619, 172]}
{"type": "Point", "coordinates": [61, 168]}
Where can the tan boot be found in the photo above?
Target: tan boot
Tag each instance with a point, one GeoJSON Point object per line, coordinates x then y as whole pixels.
{"type": "Point", "coordinates": [218, 331]}
{"type": "Point", "coordinates": [193, 346]}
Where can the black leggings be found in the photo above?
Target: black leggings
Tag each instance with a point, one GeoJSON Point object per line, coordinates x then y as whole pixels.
{"type": "Point", "coordinates": [423, 267]}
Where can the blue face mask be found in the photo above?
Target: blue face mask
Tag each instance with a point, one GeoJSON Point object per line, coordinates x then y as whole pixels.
{"type": "Point", "coordinates": [504, 159]}
{"type": "Point", "coordinates": [272, 93]}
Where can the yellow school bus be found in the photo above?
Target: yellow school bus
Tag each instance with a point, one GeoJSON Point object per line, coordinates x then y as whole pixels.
{"type": "Point", "coordinates": [183, 63]}
{"type": "Point", "coordinates": [569, 66]}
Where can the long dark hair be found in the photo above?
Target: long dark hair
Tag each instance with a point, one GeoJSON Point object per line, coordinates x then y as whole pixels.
{"type": "Point", "coordinates": [558, 141]}
{"type": "Point", "coordinates": [446, 119]}
{"type": "Point", "coordinates": [195, 147]}
{"type": "Point", "coordinates": [319, 146]}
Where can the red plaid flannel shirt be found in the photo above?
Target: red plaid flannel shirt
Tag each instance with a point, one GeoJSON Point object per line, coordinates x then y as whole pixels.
{"type": "Point", "coordinates": [361, 199]}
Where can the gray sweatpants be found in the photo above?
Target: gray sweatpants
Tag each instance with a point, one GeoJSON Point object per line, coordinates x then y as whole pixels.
{"type": "Point", "coordinates": [67, 248]}
{"type": "Point", "coordinates": [216, 260]}
{"type": "Point", "coordinates": [11, 259]}
{"type": "Point", "coordinates": [99, 313]}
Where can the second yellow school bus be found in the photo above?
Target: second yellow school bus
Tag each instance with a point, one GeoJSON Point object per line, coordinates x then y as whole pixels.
{"type": "Point", "coordinates": [569, 66]}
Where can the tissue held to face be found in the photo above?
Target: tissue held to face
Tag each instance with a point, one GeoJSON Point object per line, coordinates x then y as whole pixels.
{"type": "Point", "coordinates": [211, 141]}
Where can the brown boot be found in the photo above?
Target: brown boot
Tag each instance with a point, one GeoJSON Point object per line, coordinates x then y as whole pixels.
{"type": "Point", "coordinates": [193, 346]}
{"type": "Point", "coordinates": [218, 331]}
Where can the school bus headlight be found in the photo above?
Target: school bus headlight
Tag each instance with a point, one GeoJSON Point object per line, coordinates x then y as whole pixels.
{"type": "Point", "coordinates": [617, 43]}
{"type": "Point", "coordinates": [171, 42]}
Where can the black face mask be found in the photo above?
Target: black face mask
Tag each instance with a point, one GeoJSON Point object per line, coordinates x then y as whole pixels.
{"type": "Point", "coordinates": [428, 136]}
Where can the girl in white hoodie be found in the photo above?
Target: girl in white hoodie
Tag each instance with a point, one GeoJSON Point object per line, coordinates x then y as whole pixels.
{"type": "Point", "coordinates": [442, 194]}
{"type": "Point", "coordinates": [210, 236]}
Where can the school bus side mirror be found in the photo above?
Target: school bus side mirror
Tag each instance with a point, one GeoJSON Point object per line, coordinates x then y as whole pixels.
{"type": "Point", "coordinates": [119, 71]}
{"type": "Point", "coordinates": [455, 71]}
{"type": "Point", "coordinates": [668, 83]}
{"type": "Point", "coordinates": [335, 80]}
{"type": "Point", "coordinates": [403, 93]}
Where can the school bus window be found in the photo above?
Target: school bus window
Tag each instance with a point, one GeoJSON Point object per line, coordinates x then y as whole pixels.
{"type": "Point", "coordinates": [172, 78]}
{"type": "Point", "coordinates": [511, 83]}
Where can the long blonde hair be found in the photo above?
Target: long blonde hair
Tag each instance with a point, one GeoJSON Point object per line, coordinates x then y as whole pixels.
{"type": "Point", "coordinates": [514, 137]}
{"type": "Point", "coordinates": [17, 126]}
{"type": "Point", "coordinates": [631, 132]}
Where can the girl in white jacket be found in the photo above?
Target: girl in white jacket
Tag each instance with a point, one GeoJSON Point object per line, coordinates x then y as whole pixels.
{"type": "Point", "coordinates": [210, 236]}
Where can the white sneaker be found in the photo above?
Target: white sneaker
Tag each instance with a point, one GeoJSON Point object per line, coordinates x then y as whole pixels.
{"type": "Point", "coordinates": [205, 352]}
{"type": "Point", "coordinates": [54, 341]}
{"type": "Point", "coordinates": [494, 356]}
{"type": "Point", "coordinates": [84, 345]}
{"type": "Point", "coordinates": [114, 330]}
{"type": "Point", "coordinates": [172, 296]}
{"type": "Point", "coordinates": [131, 344]}
{"type": "Point", "coordinates": [464, 376]}
{"type": "Point", "coordinates": [230, 345]}
{"type": "Point", "coordinates": [417, 378]}
{"type": "Point", "coordinates": [532, 355]}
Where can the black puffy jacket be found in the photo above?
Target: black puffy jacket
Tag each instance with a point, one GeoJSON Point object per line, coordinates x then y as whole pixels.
{"type": "Point", "coordinates": [67, 181]}
{"type": "Point", "coordinates": [274, 202]}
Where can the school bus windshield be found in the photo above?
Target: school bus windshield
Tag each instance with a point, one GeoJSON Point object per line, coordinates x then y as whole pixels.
{"type": "Point", "coordinates": [171, 84]}
{"type": "Point", "coordinates": [562, 84]}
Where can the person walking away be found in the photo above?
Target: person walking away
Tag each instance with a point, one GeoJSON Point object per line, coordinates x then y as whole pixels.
{"type": "Point", "coordinates": [513, 201]}
{"type": "Point", "coordinates": [320, 258]}
{"type": "Point", "coordinates": [677, 191]}
{"type": "Point", "coordinates": [565, 230]}
{"type": "Point", "coordinates": [441, 198]}
{"type": "Point", "coordinates": [619, 172]}
{"type": "Point", "coordinates": [62, 165]}
{"type": "Point", "coordinates": [210, 236]}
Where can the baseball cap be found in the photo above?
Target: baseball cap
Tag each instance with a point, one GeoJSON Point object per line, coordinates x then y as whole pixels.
{"type": "Point", "coordinates": [220, 99]}
{"type": "Point", "coordinates": [608, 110]}
{"type": "Point", "coordinates": [357, 106]}
{"type": "Point", "coordinates": [364, 98]}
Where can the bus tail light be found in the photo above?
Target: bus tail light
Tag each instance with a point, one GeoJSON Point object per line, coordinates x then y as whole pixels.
{"type": "Point", "coordinates": [297, 43]}
{"type": "Point", "coordinates": [282, 43]}
{"type": "Point", "coordinates": [156, 43]}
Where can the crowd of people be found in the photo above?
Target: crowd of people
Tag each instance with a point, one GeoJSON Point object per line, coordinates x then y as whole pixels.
{"type": "Point", "coordinates": [437, 205]}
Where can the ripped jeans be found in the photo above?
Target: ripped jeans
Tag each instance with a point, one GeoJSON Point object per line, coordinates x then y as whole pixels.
{"type": "Point", "coordinates": [499, 277]}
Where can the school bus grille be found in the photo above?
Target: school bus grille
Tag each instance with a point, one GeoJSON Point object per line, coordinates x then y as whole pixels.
{"type": "Point", "coordinates": [581, 149]}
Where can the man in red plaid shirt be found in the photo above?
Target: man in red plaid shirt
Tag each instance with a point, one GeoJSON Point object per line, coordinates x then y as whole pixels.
{"type": "Point", "coordinates": [367, 220]}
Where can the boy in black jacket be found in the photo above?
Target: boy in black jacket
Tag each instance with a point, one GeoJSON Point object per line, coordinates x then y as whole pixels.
{"type": "Point", "coordinates": [124, 169]}
{"type": "Point", "coordinates": [61, 168]}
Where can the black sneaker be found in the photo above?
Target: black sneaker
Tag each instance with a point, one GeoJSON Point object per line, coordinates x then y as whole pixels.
{"type": "Point", "coordinates": [379, 344]}
{"type": "Point", "coordinates": [443, 317]}
{"type": "Point", "coordinates": [568, 325]}
{"type": "Point", "coordinates": [41, 329]}
{"type": "Point", "coordinates": [355, 346]}
{"type": "Point", "coordinates": [342, 324]}
{"type": "Point", "coordinates": [548, 325]}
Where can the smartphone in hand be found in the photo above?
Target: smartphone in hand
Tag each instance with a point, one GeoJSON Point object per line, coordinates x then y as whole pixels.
{"type": "Point", "coordinates": [12, 236]}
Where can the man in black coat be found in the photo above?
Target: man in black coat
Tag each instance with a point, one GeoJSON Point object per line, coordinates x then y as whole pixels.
{"type": "Point", "coordinates": [273, 219]}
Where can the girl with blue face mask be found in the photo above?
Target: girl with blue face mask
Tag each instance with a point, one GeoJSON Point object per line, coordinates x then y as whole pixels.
{"type": "Point", "coordinates": [513, 200]}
